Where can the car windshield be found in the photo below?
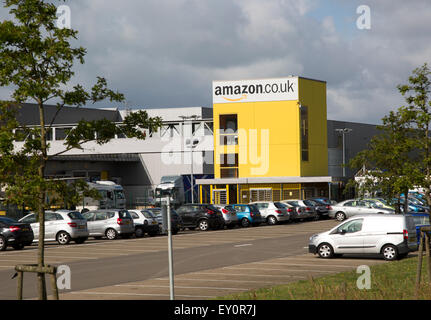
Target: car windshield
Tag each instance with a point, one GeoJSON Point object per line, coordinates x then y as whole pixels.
{"type": "Point", "coordinates": [75, 215]}
{"type": "Point", "coordinates": [148, 214]}
{"type": "Point", "coordinates": [119, 194]}
{"type": "Point", "coordinates": [280, 205]}
{"type": "Point", "coordinates": [124, 214]}
{"type": "Point", "coordinates": [7, 220]}
{"type": "Point", "coordinates": [308, 203]}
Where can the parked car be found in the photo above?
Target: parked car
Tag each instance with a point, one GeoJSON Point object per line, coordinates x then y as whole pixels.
{"type": "Point", "coordinates": [229, 215]}
{"type": "Point", "coordinates": [272, 212]}
{"type": "Point", "coordinates": [349, 208]}
{"type": "Point", "coordinates": [411, 207]}
{"type": "Point", "coordinates": [176, 221]}
{"type": "Point", "coordinates": [202, 216]}
{"type": "Point", "coordinates": [299, 210]}
{"type": "Point", "coordinates": [144, 222]}
{"type": "Point", "coordinates": [15, 234]}
{"type": "Point", "coordinates": [61, 226]}
{"type": "Point", "coordinates": [109, 223]}
{"type": "Point", "coordinates": [392, 236]}
{"type": "Point", "coordinates": [309, 210]}
{"type": "Point", "coordinates": [421, 220]}
{"type": "Point", "coordinates": [291, 211]}
{"type": "Point", "coordinates": [379, 202]}
{"type": "Point", "coordinates": [322, 208]}
{"type": "Point", "coordinates": [248, 214]}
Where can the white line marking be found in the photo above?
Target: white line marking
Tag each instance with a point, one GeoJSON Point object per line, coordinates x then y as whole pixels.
{"type": "Point", "coordinates": [139, 294]}
{"type": "Point", "coordinates": [221, 280]}
{"type": "Point", "coordinates": [251, 275]}
{"type": "Point", "coordinates": [266, 269]}
{"type": "Point", "coordinates": [306, 265]}
{"type": "Point", "coordinates": [243, 245]}
{"type": "Point", "coordinates": [177, 287]}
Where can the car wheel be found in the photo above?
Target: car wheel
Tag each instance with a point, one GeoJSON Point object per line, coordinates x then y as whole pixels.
{"type": "Point", "coordinates": [18, 246]}
{"type": "Point", "coordinates": [203, 225]}
{"type": "Point", "coordinates": [390, 252]}
{"type": "Point", "coordinates": [80, 240]}
{"type": "Point", "coordinates": [139, 232]}
{"type": "Point", "coordinates": [63, 238]}
{"type": "Point", "coordinates": [111, 234]}
{"type": "Point", "coordinates": [153, 234]}
{"type": "Point", "coordinates": [340, 216]}
{"type": "Point", "coordinates": [325, 251]}
{"type": "Point", "coordinates": [245, 222]}
{"type": "Point", "coordinates": [3, 243]}
{"type": "Point", "coordinates": [271, 220]}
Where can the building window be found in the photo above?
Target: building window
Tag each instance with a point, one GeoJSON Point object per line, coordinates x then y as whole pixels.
{"type": "Point", "coordinates": [304, 133]}
{"type": "Point", "coordinates": [229, 165]}
{"type": "Point", "coordinates": [228, 129]}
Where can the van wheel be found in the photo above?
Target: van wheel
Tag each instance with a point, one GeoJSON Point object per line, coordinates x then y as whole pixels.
{"type": "Point", "coordinates": [111, 234]}
{"type": "Point", "coordinates": [325, 251]}
{"type": "Point", "coordinates": [63, 238]}
{"type": "Point", "coordinates": [203, 225]}
{"type": "Point", "coordinates": [80, 240]}
{"type": "Point", "coordinates": [390, 252]}
{"type": "Point", "coordinates": [271, 220]}
{"type": "Point", "coordinates": [340, 216]}
{"type": "Point", "coordinates": [245, 222]}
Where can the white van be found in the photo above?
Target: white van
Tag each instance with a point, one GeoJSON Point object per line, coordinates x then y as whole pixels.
{"type": "Point", "coordinates": [393, 236]}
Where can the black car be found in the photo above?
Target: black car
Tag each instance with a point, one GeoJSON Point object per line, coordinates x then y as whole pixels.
{"type": "Point", "coordinates": [322, 206]}
{"type": "Point", "coordinates": [203, 216]}
{"type": "Point", "coordinates": [176, 221]}
{"type": "Point", "coordinates": [14, 234]}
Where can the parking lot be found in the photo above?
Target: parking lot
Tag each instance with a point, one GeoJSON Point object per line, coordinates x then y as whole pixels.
{"type": "Point", "coordinates": [206, 264]}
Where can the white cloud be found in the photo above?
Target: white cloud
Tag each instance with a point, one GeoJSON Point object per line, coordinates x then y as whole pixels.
{"type": "Point", "coordinates": [164, 53]}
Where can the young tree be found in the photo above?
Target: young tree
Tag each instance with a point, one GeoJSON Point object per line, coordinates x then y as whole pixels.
{"type": "Point", "coordinates": [36, 60]}
{"type": "Point", "coordinates": [418, 112]}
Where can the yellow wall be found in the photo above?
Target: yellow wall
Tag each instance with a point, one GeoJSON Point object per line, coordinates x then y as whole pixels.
{"type": "Point", "coordinates": [282, 119]}
{"type": "Point", "coordinates": [312, 94]}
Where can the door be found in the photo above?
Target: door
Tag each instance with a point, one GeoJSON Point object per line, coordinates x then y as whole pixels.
{"type": "Point", "coordinates": [220, 196]}
{"type": "Point", "coordinates": [89, 216]}
{"type": "Point", "coordinates": [349, 237]}
{"type": "Point", "coordinates": [100, 223]}
{"type": "Point", "coordinates": [50, 225]}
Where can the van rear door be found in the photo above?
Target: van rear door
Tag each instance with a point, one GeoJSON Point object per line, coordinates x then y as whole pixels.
{"type": "Point", "coordinates": [411, 229]}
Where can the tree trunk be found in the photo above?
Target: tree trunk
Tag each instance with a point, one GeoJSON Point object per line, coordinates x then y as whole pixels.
{"type": "Point", "coordinates": [406, 202]}
{"type": "Point", "coordinates": [41, 207]}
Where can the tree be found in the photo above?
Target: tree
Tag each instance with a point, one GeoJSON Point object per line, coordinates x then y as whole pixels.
{"type": "Point", "coordinates": [418, 113]}
{"type": "Point", "coordinates": [36, 60]}
{"type": "Point", "coordinates": [388, 158]}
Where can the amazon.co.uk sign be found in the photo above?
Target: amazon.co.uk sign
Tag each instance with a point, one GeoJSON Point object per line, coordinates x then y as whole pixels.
{"type": "Point", "coordinates": [279, 89]}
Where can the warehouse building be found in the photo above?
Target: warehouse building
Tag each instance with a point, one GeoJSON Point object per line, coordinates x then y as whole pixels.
{"type": "Point", "coordinates": [262, 139]}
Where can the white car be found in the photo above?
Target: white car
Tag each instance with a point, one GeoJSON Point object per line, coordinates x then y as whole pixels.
{"type": "Point", "coordinates": [145, 222]}
{"type": "Point", "coordinates": [229, 215]}
{"type": "Point", "coordinates": [273, 212]}
{"type": "Point", "coordinates": [392, 236]}
{"type": "Point", "coordinates": [308, 209]}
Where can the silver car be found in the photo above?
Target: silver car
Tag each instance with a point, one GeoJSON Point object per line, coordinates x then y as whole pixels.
{"type": "Point", "coordinates": [308, 209]}
{"type": "Point", "coordinates": [109, 223]}
{"type": "Point", "coordinates": [61, 226]}
{"type": "Point", "coordinates": [272, 212]}
{"type": "Point", "coordinates": [145, 222]}
{"type": "Point", "coordinates": [350, 208]}
{"type": "Point", "coordinates": [229, 215]}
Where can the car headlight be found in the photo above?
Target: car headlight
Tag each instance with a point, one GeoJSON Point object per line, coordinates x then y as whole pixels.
{"type": "Point", "coordinates": [314, 236]}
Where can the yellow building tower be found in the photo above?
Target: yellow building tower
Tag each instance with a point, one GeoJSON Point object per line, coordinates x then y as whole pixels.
{"type": "Point", "coordinates": [270, 140]}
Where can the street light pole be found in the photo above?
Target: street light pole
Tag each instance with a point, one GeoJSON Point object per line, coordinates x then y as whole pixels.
{"type": "Point", "coordinates": [343, 132]}
{"type": "Point", "coordinates": [191, 143]}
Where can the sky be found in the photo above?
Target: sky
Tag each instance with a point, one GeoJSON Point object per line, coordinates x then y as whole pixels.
{"type": "Point", "coordinates": [166, 53]}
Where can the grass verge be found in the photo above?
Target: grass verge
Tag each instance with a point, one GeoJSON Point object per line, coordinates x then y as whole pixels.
{"type": "Point", "coordinates": [390, 281]}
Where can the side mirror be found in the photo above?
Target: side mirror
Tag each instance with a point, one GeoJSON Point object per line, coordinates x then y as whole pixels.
{"type": "Point", "coordinates": [342, 232]}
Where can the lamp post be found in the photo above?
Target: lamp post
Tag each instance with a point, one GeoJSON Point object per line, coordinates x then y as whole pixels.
{"type": "Point", "coordinates": [344, 131]}
{"type": "Point", "coordinates": [191, 143]}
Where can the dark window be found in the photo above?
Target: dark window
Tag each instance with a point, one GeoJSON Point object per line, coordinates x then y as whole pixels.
{"type": "Point", "coordinates": [228, 129]}
{"type": "Point", "coordinates": [75, 215]}
{"type": "Point", "coordinates": [304, 133]}
{"type": "Point", "coordinates": [229, 165]}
